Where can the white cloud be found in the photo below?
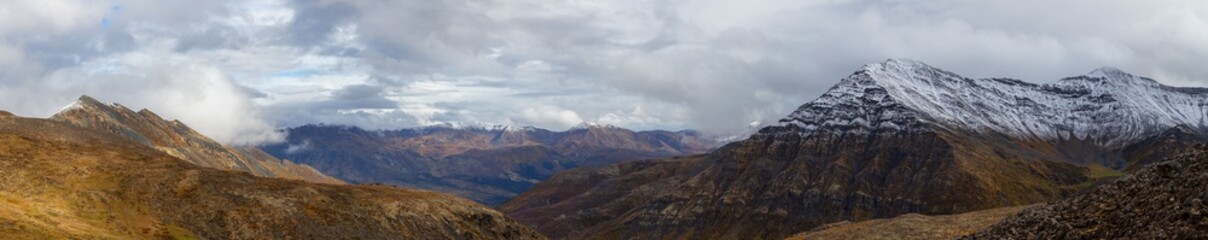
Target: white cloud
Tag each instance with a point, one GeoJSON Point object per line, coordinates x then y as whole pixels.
{"type": "Point", "coordinates": [199, 95]}
{"type": "Point", "coordinates": [552, 116]}
{"type": "Point", "coordinates": [712, 65]}
{"type": "Point", "coordinates": [35, 16]}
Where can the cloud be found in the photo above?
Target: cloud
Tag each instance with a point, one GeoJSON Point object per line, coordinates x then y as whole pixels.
{"type": "Point", "coordinates": [201, 96]}
{"type": "Point", "coordinates": [711, 65]}
{"type": "Point", "coordinates": [549, 116]}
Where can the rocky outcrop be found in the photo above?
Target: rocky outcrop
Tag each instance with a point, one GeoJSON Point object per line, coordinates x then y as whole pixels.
{"type": "Point", "coordinates": [177, 139]}
{"type": "Point", "coordinates": [489, 164]}
{"type": "Point", "coordinates": [62, 181]}
{"type": "Point", "coordinates": [1162, 201]}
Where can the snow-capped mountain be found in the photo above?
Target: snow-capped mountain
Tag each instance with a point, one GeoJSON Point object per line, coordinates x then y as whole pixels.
{"type": "Point", "coordinates": [590, 125]}
{"type": "Point", "coordinates": [894, 137]}
{"type": "Point", "coordinates": [479, 126]}
{"type": "Point", "coordinates": [1108, 106]}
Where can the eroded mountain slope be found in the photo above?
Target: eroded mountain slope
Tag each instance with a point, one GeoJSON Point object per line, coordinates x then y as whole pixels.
{"type": "Point", "coordinates": [62, 181]}
{"type": "Point", "coordinates": [894, 137]}
{"type": "Point", "coordinates": [177, 139]}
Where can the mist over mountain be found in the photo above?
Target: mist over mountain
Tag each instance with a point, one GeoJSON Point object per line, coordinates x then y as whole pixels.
{"type": "Point", "coordinates": [177, 139]}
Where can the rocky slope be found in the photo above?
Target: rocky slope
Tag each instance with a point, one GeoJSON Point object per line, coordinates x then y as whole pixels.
{"type": "Point", "coordinates": [177, 139]}
{"type": "Point", "coordinates": [62, 181]}
{"type": "Point", "coordinates": [912, 226]}
{"type": "Point", "coordinates": [564, 205]}
{"type": "Point", "coordinates": [1162, 201]}
{"type": "Point", "coordinates": [893, 138]}
{"type": "Point", "coordinates": [489, 164]}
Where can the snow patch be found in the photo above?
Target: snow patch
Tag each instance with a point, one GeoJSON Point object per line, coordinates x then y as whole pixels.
{"type": "Point", "coordinates": [1107, 105]}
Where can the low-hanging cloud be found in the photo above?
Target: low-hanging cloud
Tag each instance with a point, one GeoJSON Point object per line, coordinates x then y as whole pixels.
{"type": "Point", "coordinates": [201, 96]}
{"type": "Point", "coordinates": [712, 65]}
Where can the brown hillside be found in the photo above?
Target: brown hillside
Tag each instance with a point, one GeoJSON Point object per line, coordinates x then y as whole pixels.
{"type": "Point", "coordinates": [62, 181]}
{"type": "Point", "coordinates": [177, 139]}
{"type": "Point", "coordinates": [1164, 200]}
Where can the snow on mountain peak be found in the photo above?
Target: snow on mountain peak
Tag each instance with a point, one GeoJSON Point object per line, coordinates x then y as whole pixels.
{"type": "Point", "coordinates": [590, 125]}
{"type": "Point", "coordinates": [897, 93]}
{"type": "Point", "coordinates": [480, 126]}
{"type": "Point", "coordinates": [1107, 71]}
{"type": "Point", "coordinates": [86, 102]}
{"type": "Point", "coordinates": [1113, 75]}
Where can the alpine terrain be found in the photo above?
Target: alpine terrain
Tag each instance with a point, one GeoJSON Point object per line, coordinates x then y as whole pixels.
{"type": "Point", "coordinates": [892, 138]}
{"type": "Point", "coordinates": [177, 139]}
{"type": "Point", "coordinates": [62, 181]}
{"type": "Point", "coordinates": [488, 164]}
{"type": "Point", "coordinates": [1161, 201]}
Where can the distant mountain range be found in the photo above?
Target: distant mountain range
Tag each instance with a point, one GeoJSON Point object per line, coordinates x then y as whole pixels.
{"type": "Point", "coordinates": [489, 164]}
{"type": "Point", "coordinates": [101, 171]}
{"type": "Point", "coordinates": [894, 137]}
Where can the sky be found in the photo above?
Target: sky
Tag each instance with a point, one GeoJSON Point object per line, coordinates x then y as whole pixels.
{"type": "Point", "coordinates": [239, 70]}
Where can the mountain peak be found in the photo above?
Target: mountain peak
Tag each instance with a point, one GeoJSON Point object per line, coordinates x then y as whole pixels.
{"type": "Point", "coordinates": [480, 126]}
{"type": "Point", "coordinates": [1078, 105]}
{"type": "Point", "coordinates": [88, 99]}
{"type": "Point", "coordinates": [1106, 71]}
{"type": "Point", "coordinates": [1111, 74]}
{"type": "Point", "coordinates": [902, 62]}
{"type": "Point", "coordinates": [907, 73]}
{"type": "Point", "coordinates": [83, 101]}
{"type": "Point", "coordinates": [177, 139]}
{"type": "Point", "coordinates": [899, 65]}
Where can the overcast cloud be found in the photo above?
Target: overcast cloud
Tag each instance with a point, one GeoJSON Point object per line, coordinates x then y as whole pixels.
{"type": "Point", "coordinates": [237, 70]}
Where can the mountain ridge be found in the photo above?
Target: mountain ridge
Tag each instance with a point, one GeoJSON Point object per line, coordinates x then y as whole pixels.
{"type": "Point", "coordinates": [1009, 106]}
{"type": "Point", "coordinates": [177, 139]}
{"type": "Point", "coordinates": [892, 138]}
{"type": "Point", "coordinates": [66, 181]}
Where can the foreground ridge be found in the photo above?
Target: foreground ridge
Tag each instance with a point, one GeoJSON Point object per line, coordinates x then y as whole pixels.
{"type": "Point", "coordinates": [62, 181]}
{"type": "Point", "coordinates": [177, 139]}
{"type": "Point", "coordinates": [1162, 201]}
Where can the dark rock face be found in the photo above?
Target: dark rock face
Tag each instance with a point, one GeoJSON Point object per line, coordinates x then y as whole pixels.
{"type": "Point", "coordinates": [1162, 201]}
{"type": "Point", "coordinates": [489, 165]}
{"type": "Point", "coordinates": [772, 186]}
{"type": "Point", "coordinates": [1158, 147]}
